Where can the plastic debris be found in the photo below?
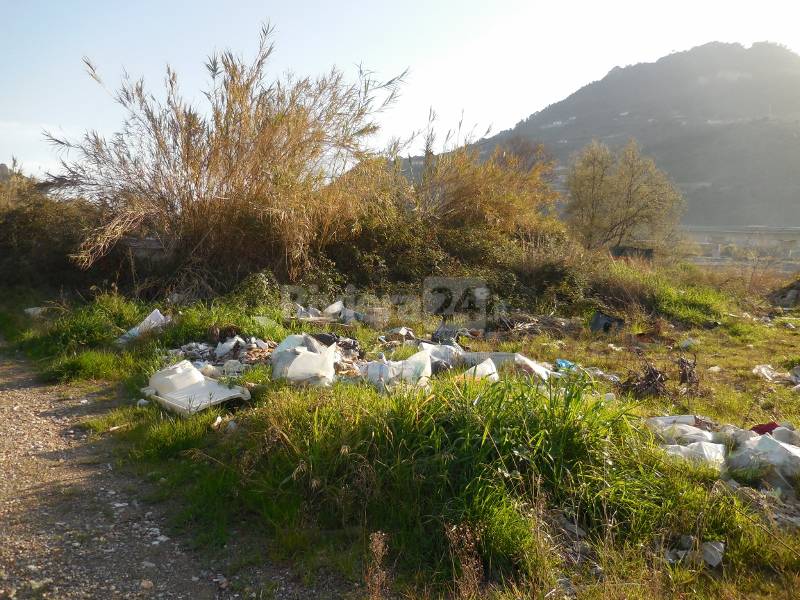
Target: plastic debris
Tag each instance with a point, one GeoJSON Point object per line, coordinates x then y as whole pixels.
{"type": "Point", "coordinates": [712, 553]}
{"type": "Point", "coordinates": [141, 403]}
{"type": "Point", "coordinates": [452, 354]}
{"type": "Point", "coordinates": [715, 369]}
{"type": "Point", "coordinates": [35, 312]}
{"type": "Point", "coordinates": [183, 389]}
{"type": "Point", "coordinates": [562, 364]}
{"type": "Point", "coordinates": [384, 374]}
{"type": "Point", "coordinates": [485, 370]}
{"type": "Point", "coordinates": [226, 347]}
{"type": "Point", "coordinates": [155, 320]}
{"type": "Point", "coordinates": [603, 323]}
{"type": "Point", "coordinates": [707, 452]}
{"type": "Point", "coordinates": [768, 373]}
{"type": "Point", "coordinates": [765, 427]}
{"type": "Point", "coordinates": [302, 359]}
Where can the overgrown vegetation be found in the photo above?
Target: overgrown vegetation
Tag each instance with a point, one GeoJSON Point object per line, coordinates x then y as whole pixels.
{"type": "Point", "coordinates": [205, 212]}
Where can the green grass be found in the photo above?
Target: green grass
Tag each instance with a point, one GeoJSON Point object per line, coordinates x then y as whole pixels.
{"type": "Point", "coordinates": [318, 470]}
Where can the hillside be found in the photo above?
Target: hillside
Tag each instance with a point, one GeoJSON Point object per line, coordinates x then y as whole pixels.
{"type": "Point", "coordinates": [721, 119]}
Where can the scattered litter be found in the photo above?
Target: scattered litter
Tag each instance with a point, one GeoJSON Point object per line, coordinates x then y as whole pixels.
{"type": "Point", "coordinates": [713, 553]}
{"type": "Point", "coordinates": [562, 364]}
{"type": "Point", "coordinates": [384, 374]}
{"type": "Point", "coordinates": [769, 451]}
{"type": "Point", "coordinates": [302, 359]}
{"type": "Point", "coordinates": [764, 428]}
{"type": "Point", "coordinates": [707, 452]}
{"type": "Point", "coordinates": [142, 402]}
{"type": "Point", "coordinates": [485, 370]}
{"type": "Point", "coordinates": [615, 348]}
{"type": "Point", "coordinates": [35, 312]}
{"type": "Point", "coordinates": [603, 323]}
{"type": "Point", "coordinates": [155, 320]}
{"type": "Point", "coordinates": [228, 346]}
{"type": "Point", "coordinates": [183, 389]}
{"type": "Point", "coordinates": [715, 369]}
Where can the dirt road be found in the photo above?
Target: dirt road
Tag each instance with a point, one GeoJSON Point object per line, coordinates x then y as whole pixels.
{"type": "Point", "coordinates": [74, 525]}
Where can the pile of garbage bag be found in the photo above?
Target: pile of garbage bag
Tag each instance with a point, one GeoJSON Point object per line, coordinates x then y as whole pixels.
{"type": "Point", "coordinates": [769, 452]}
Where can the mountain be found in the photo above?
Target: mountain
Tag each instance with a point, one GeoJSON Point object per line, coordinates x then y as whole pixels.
{"type": "Point", "coordinates": [723, 120]}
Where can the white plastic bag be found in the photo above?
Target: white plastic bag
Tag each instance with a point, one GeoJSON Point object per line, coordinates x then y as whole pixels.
{"type": "Point", "coordinates": [485, 370]}
{"type": "Point", "coordinates": [712, 454]}
{"type": "Point", "coordinates": [155, 320]}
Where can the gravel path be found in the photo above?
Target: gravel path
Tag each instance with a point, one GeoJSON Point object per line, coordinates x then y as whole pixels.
{"type": "Point", "coordinates": [73, 525]}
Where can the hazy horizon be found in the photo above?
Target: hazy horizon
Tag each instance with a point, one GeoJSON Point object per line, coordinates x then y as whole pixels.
{"type": "Point", "coordinates": [495, 64]}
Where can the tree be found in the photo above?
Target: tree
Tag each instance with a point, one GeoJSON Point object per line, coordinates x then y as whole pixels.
{"type": "Point", "coordinates": [241, 183]}
{"type": "Point", "coordinates": [621, 197]}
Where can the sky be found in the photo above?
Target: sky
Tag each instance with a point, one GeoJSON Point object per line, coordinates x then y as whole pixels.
{"type": "Point", "coordinates": [493, 61]}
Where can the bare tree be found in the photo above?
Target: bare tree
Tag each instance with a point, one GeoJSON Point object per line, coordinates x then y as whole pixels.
{"type": "Point", "coordinates": [618, 198]}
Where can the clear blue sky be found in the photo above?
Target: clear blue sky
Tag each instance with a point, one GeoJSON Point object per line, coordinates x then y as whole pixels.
{"type": "Point", "coordinates": [495, 60]}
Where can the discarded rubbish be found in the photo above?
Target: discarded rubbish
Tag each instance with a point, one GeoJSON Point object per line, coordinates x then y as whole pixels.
{"type": "Point", "coordinates": [35, 312]}
{"type": "Point", "coordinates": [485, 370]}
{"type": "Point", "coordinates": [155, 320]}
{"type": "Point", "coordinates": [707, 452]}
{"type": "Point", "coordinates": [399, 334]}
{"type": "Point", "coordinates": [183, 389]}
{"type": "Point", "coordinates": [712, 553]}
{"type": "Point", "coordinates": [603, 323]}
{"type": "Point", "coordinates": [764, 428]}
{"type": "Point", "coordinates": [715, 369]}
{"type": "Point", "coordinates": [302, 359]}
{"type": "Point", "coordinates": [562, 364]}
{"type": "Point", "coordinates": [768, 451]}
{"type": "Point", "coordinates": [453, 355]}
{"type": "Point", "coordinates": [226, 347]}
{"type": "Point", "coordinates": [768, 373]}
{"type": "Point", "coordinates": [384, 374]}
{"type": "Point", "coordinates": [141, 403]}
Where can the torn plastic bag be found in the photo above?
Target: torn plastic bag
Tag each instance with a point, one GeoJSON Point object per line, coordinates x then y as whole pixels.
{"type": "Point", "coordinates": [35, 312]}
{"type": "Point", "coordinates": [312, 368]}
{"type": "Point", "coordinates": [730, 435]}
{"type": "Point", "coordinates": [764, 453]}
{"type": "Point", "coordinates": [302, 359]}
{"type": "Point", "coordinates": [768, 373]}
{"type": "Point", "coordinates": [786, 435]}
{"type": "Point", "coordinates": [485, 370]}
{"type": "Point", "coordinates": [416, 370]}
{"type": "Point", "coordinates": [713, 454]}
{"type": "Point", "coordinates": [533, 368]}
{"type": "Point", "coordinates": [334, 310]}
{"type": "Point", "coordinates": [452, 355]}
{"type": "Point", "coordinates": [657, 423]}
{"type": "Point", "coordinates": [227, 346]}
{"type": "Point", "coordinates": [183, 389]}
{"type": "Point", "coordinates": [684, 434]}
{"type": "Point", "coordinates": [155, 320]}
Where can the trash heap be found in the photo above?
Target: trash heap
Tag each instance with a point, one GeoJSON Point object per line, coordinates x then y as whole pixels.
{"type": "Point", "coordinates": [768, 453]}
{"type": "Point", "coordinates": [320, 359]}
{"type": "Point", "coordinates": [771, 375]}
